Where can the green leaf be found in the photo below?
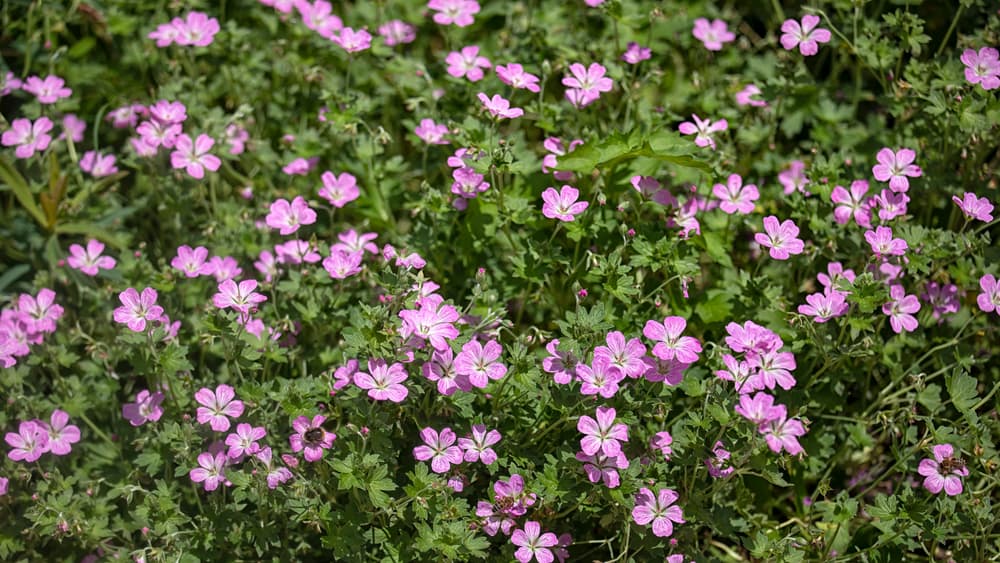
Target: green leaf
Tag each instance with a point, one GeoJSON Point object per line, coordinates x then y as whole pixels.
{"type": "Point", "coordinates": [962, 388]}
{"type": "Point", "coordinates": [92, 230]}
{"type": "Point", "coordinates": [930, 397]}
{"type": "Point", "coordinates": [664, 145]}
{"type": "Point", "coordinates": [12, 178]}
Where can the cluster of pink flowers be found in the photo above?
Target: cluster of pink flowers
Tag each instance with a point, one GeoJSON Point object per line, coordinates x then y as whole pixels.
{"type": "Point", "coordinates": [27, 323]}
{"type": "Point", "coordinates": [439, 447]}
{"type": "Point", "coordinates": [165, 129]}
{"type": "Point", "coordinates": [780, 432]}
{"type": "Point", "coordinates": [196, 29]}
{"type": "Point", "coordinates": [37, 437]}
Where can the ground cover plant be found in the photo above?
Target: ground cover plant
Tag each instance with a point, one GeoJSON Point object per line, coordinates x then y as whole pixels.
{"type": "Point", "coordinates": [525, 280]}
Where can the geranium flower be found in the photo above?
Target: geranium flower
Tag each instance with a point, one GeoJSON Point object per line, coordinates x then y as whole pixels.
{"type": "Point", "coordinates": [806, 36]}
{"type": "Point", "coordinates": [514, 75]}
{"type": "Point", "coordinates": [659, 509]}
{"type": "Point", "coordinates": [211, 470]}
{"type": "Point", "coordinates": [384, 382]}
{"type": "Point", "coordinates": [28, 443]}
{"type": "Point", "coordinates": [703, 129]}
{"type": "Point", "coordinates": [883, 243]}
{"type": "Point", "coordinates": [439, 448]}
{"type": "Point", "coordinates": [533, 544]}
{"type": "Point", "coordinates": [98, 165]}
{"type": "Point", "coordinates": [670, 344]}
{"type": "Point", "coordinates": [433, 321]}
{"type": "Point", "coordinates": [480, 363]}
{"type": "Point", "coordinates": [782, 240]}
{"type": "Point", "coordinates": [736, 198]}
{"type": "Point", "coordinates": [852, 204]}
{"type": "Point", "coordinates": [944, 472]}
{"type": "Point", "coordinates": [192, 261]}
{"type": "Point", "coordinates": [432, 133]}
{"type": "Point", "coordinates": [586, 84]}
{"type": "Point", "coordinates": [27, 136]}
{"type": "Point", "coordinates": [973, 207]}
{"type": "Point", "coordinates": [759, 408]}
{"type": "Point", "coordinates": [661, 442]}
{"type": "Point", "coordinates": [197, 29]}
{"type": "Point", "coordinates": [467, 63]}
{"type": "Point", "coordinates": [629, 357]}
{"type": "Point", "coordinates": [244, 440]}
{"type": "Point", "coordinates": [339, 190]}
{"type": "Point", "coordinates": [137, 308]}
{"type": "Point", "coordinates": [310, 437]}
{"type": "Point", "coordinates": [636, 53]}
{"type": "Point", "coordinates": [353, 41]}
{"type": "Point", "coordinates": [600, 467]}
{"type": "Point", "coordinates": [824, 306]}
{"type": "Point", "coordinates": [62, 434]}
{"type": "Point", "coordinates": [599, 378]}
{"type": "Point", "coordinates": [556, 148]}
{"type": "Point", "coordinates": [562, 204]}
{"type": "Point", "coordinates": [73, 128]}
{"type": "Point", "coordinates": [477, 446]}
{"type": "Point", "coordinates": [718, 465]}
{"type": "Point", "coordinates": [602, 435]}
{"type": "Point", "coordinates": [748, 97]}
{"type": "Point", "coordinates": [890, 204]}
{"type": "Point", "coordinates": [240, 297]}
{"type": "Point", "coordinates": [342, 265]}
{"type": "Point", "coordinates": [989, 299]}
{"type": "Point", "coordinates": [275, 475]}
{"type": "Point", "coordinates": [900, 310]}
{"type": "Point", "coordinates": [194, 157]}
{"type": "Point", "coordinates": [894, 167]}
{"type": "Point", "coordinates": [771, 368]}
{"type": "Point", "coordinates": [712, 34]}
{"type": "Point", "coordinates": [499, 107]}
{"type": "Point", "coordinates": [288, 217]}
{"type": "Point", "coordinates": [782, 434]}
{"type": "Point", "coordinates": [146, 408]}
{"type": "Point", "coordinates": [9, 82]}
{"type": "Point", "coordinates": [942, 297]}
{"type": "Point", "coordinates": [396, 32]}
{"type": "Point", "coordinates": [40, 312]}
{"type": "Point", "coordinates": [457, 12]}
{"type": "Point", "coordinates": [168, 112]}
{"type": "Point", "coordinates": [982, 68]}
{"type": "Point", "coordinates": [794, 178]}
{"type": "Point", "coordinates": [317, 16]}
{"type": "Point", "coordinates": [217, 406]}
{"type": "Point", "coordinates": [49, 90]}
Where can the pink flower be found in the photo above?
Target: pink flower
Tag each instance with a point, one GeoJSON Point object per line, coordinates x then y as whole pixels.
{"type": "Point", "coordinates": [806, 36]}
{"type": "Point", "coordinates": [167, 112]}
{"type": "Point", "coordinates": [890, 204]}
{"type": "Point", "coordinates": [339, 190]}
{"type": "Point", "coordinates": [236, 137]}
{"type": "Point", "coordinates": [837, 275]}
{"type": "Point", "coordinates": [384, 382]}
{"type": "Point", "coordinates": [165, 34]}
{"type": "Point", "coordinates": [883, 244]}
{"type": "Point", "coordinates": [794, 178]}
{"type": "Point", "coordinates": [288, 217]}
{"type": "Point", "coordinates": [636, 53]}
{"type": "Point", "coordinates": [439, 449]}
{"type": "Point", "coordinates": [533, 544]}
{"type": "Point", "coordinates": [467, 63]}
{"type": "Point", "coordinates": [562, 365]}
{"type": "Point", "coordinates": [944, 471]}
{"type": "Point", "coordinates": [782, 434]}
{"type": "Point", "coordinates": [514, 75]}
{"type": "Point", "coordinates": [39, 313]}
{"type": "Point", "coordinates": [48, 91]}
{"type": "Point", "coordinates": [771, 368]}
{"type": "Point", "coordinates": [241, 298]}
{"type": "Point", "coordinates": [73, 127]}
{"type": "Point", "coordinates": [824, 306]}
{"type": "Point", "coordinates": [982, 68]}
{"type": "Point", "coordinates": [457, 12]}
{"type": "Point", "coordinates": [894, 167]}
{"type": "Point", "coordinates": [974, 207]}
{"type": "Point", "coordinates": [342, 265]}
{"type": "Point", "coordinates": [196, 29]}
{"type": "Point", "coordinates": [718, 465]}
{"type": "Point", "coordinates": [713, 34]}
{"type": "Point", "coordinates": [8, 83]}
{"type": "Point", "coordinates": [311, 437]}
{"type": "Point", "coordinates": [216, 407]}
{"type": "Point", "coordinates": [900, 310]}
{"type": "Point", "coordinates": [90, 260]}
{"type": "Point", "coordinates": [27, 136]}
{"type": "Point", "coordinates": [126, 117]}
{"type": "Point", "coordinates": [629, 357]}
{"type": "Point", "coordinates": [468, 183]}
{"type": "Point", "coordinates": [433, 321]}
{"type": "Point", "coordinates": [211, 471]}
{"type": "Point", "coordinates": [659, 509]}
{"type": "Point", "coordinates": [703, 129]}
{"type": "Point", "coordinates": [442, 370]}
{"type": "Point", "coordinates": [670, 344]}
{"type": "Point", "coordinates": [499, 107]}
{"type": "Point", "coordinates": [737, 371]}
{"type": "Point", "coordinates": [661, 442]}
{"type": "Point", "coordinates": [153, 134]}
{"type": "Point", "coordinates": [146, 408]}
{"type": "Point", "coordinates": [562, 204]}
{"type": "Point", "coordinates": [477, 447]}
{"type": "Point", "coordinates": [192, 261]}
{"type": "Point", "coordinates": [300, 166]}
{"type": "Point", "coordinates": [782, 240]}
{"type": "Point", "coordinates": [736, 198]}
{"type": "Point", "coordinates": [989, 299]}
{"type": "Point", "coordinates": [353, 41]}
{"type": "Point", "coordinates": [62, 435]}
{"type": "Point", "coordinates": [297, 252]}
{"type": "Point", "coordinates": [397, 32]}
{"type": "Point", "coordinates": [852, 204]}
{"type": "Point", "coordinates": [586, 84]}
{"type": "Point", "coordinates": [746, 97]}
{"type": "Point", "coordinates": [194, 156]}
{"type": "Point", "coordinates": [602, 435]}
{"type": "Point", "coordinates": [942, 297]}
{"type": "Point", "coordinates": [137, 308]}
{"type": "Point", "coordinates": [98, 165]}
{"type": "Point", "coordinates": [275, 475]}
{"type": "Point", "coordinates": [432, 133]}
{"type": "Point", "coordinates": [600, 467]}
{"type": "Point", "coordinates": [317, 16]}
{"type": "Point", "coordinates": [600, 378]}
{"type": "Point", "coordinates": [480, 363]}
{"type": "Point", "coordinates": [760, 408]}
{"type": "Point", "coordinates": [28, 443]}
